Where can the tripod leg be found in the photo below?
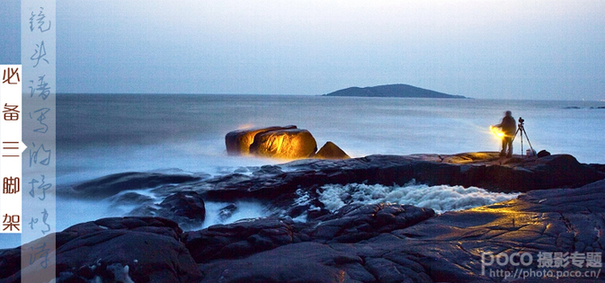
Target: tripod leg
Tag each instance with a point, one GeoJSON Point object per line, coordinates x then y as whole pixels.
{"type": "Point", "coordinates": [526, 137]}
{"type": "Point", "coordinates": [521, 134]}
{"type": "Point", "coordinates": [515, 135]}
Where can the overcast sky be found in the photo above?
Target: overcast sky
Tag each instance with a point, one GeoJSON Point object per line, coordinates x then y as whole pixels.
{"type": "Point", "coordinates": [522, 49]}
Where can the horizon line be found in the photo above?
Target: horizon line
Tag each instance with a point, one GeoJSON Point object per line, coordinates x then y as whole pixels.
{"type": "Point", "coordinates": [324, 95]}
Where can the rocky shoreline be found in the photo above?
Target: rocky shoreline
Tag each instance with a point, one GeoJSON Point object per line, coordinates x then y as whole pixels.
{"type": "Point", "coordinates": [560, 210]}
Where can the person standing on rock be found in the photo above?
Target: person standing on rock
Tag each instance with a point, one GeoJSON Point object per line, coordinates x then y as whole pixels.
{"type": "Point", "coordinates": [509, 127]}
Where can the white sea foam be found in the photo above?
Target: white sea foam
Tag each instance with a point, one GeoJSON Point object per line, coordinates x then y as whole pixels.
{"type": "Point", "coordinates": [242, 210]}
{"type": "Point", "coordinates": [440, 198]}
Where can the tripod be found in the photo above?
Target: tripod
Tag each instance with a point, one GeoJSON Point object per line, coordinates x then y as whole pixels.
{"type": "Point", "coordinates": [521, 131]}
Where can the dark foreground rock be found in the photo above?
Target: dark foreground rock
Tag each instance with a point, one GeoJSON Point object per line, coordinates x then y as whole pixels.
{"type": "Point", "coordinates": [143, 249]}
{"type": "Point", "coordinates": [348, 225]}
{"type": "Point", "coordinates": [358, 243]}
{"type": "Point", "coordinates": [444, 248]}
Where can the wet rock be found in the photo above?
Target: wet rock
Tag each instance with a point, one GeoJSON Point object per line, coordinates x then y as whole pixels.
{"type": "Point", "coordinates": [484, 170]}
{"type": "Point", "coordinates": [238, 142]}
{"type": "Point", "coordinates": [113, 184]}
{"type": "Point", "coordinates": [186, 208]}
{"type": "Point", "coordinates": [130, 198]}
{"type": "Point", "coordinates": [143, 249]}
{"type": "Point", "coordinates": [301, 262]}
{"type": "Point", "coordinates": [331, 151]}
{"type": "Point", "coordinates": [543, 153]}
{"type": "Point", "coordinates": [186, 204]}
{"type": "Point", "coordinates": [10, 263]}
{"type": "Point", "coordinates": [239, 239]}
{"type": "Point", "coordinates": [558, 220]}
{"type": "Point", "coordinates": [598, 167]}
{"type": "Point", "coordinates": [268, 170]}
{"type": "Point", "coordinates": [227, 211]}
{"type": "Point", "coordinates": [286, 144]}
{"type": "Point", "coordinates": [357, 222]}
{"type": "Point", "coordinates": [357, 243]}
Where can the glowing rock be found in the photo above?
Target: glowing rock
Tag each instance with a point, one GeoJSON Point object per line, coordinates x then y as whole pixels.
{"type": "Point", "coordinates": [331, 151]}
{"type": "Point", "coordinates": [287, 144]}
{"type": "Point", "coordinates": [238, 142]}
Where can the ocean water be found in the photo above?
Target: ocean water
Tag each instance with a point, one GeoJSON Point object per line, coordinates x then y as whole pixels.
{"type": "Point", "coordinates": [101, 134]}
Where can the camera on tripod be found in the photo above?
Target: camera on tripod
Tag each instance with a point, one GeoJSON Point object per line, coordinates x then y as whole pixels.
{"type": "Point", "coordinates": [521, 131]}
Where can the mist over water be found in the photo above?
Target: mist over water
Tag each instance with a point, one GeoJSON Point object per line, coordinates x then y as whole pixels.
{"type": "Point", "coordinates": [104, 134]}
{"type": "Point", "coordinates": [99, 134]}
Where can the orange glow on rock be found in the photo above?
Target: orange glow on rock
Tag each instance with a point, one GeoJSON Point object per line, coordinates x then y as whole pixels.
{"type": "Point", "coordinates": [284, 144]}
{"type": "Point", "coordinates": [238, 142]}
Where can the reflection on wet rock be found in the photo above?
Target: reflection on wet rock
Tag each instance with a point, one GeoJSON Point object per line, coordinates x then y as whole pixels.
{"type": "Point", "coordinates": [287, 142]}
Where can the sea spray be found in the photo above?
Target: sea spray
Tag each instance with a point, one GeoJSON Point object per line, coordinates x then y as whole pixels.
{"type": "Point", "coordinates": [229, 212]}
{"type": "Point", "coordinates": [441, 198]}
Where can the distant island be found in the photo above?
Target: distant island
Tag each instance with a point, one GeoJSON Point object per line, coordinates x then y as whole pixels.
{"type": "Point", "coordinates": [393, 90]}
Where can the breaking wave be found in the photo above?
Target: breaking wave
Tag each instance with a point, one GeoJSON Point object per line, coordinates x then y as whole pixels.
{"type": "Point", "coordinates": [440, 198]}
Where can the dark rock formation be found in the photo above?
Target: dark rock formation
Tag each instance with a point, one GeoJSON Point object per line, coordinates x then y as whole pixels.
{"type": "Point", "coordinates": [10, 265]}
{"type": "Point", "coordinates": [354, 223]}
{"type": "Point", "coordinates": [112, 184]}
{"type": "Point", "coordinates": [348, 225]}
{"type": "Point", "coordinates": [186, 204]}
{"type": "Point", "coordinates": [301, 262]}
{"type": "Point", "coordinates": [543, 153]}
{"type": "Point", "coordinates": [145, 249]}
{"type": "Point", "coordinates": [372, 243]}
{"type": "Point", "coordinates": [239, 239]}
{"type": "Point", "coordinates": [394, 90]}
{"type": "Point", "coordinates": [485, 170]}
{"type": "Point", "coordinates": [445, 248]}
{"type": "Point", "coordinates": [130, 198]}
{"type": "Point", "coordinates": [287, 144]}
{"type": "Point", "coordinates": [358, 243]}
{"type": "Point", "coordinates": [331, 151]}
{"type": "Point", "coordinates": [185, 208]}
{"type": "Point", "coordinates": [227, 211]}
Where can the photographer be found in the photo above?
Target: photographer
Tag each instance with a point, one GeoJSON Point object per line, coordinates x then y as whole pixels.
{"type": "Point", "coordinates": [509, 127]}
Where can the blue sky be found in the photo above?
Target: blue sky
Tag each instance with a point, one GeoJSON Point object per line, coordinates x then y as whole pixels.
{"type": "Point", "coordinates": [513, 49]}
